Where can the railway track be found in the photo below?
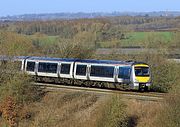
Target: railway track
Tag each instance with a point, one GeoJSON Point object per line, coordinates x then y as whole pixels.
{"type": "Point", "coordinates": [146, 96]}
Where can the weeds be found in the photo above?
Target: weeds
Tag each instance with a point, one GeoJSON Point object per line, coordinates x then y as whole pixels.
{"type": "Point", "coordinates": [16, 91]}
{"type": "Point", "coordinates": [113, 113]}
{"type": "Point", "coordinates": [170, 113]}
{"type": "Point", "coordinates": [65, 110]}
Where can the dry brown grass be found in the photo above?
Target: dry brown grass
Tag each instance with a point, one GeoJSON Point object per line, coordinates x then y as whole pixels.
{"type": "Point", "coordinates": [68, 109]}
{"type": "Point", "coordinates": [143, 114]}
{"type": "Point", "coordinates": [155, 114]}
{"type": "Point", "coordinates": [82, 109]}
{"type": "Point", "coordinates": [76, 109]}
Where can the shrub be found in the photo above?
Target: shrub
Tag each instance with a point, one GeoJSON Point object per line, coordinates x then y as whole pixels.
{"type": "Point", "coordinates": [19, 86]}
{"type": "Point", "coordinates": [169, 116]}
{"type": "Point", "coordinates": [15, 44]}
{"type": "Point", "coordinates": [16, 91]}
{"type": "Point", "coordinates": [113, 113]}
{"type": "Point", "coordinates": [165, 76]}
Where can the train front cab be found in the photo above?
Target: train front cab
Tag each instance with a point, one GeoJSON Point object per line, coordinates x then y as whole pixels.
{"type": "Point", "coordinates": [141, 77]}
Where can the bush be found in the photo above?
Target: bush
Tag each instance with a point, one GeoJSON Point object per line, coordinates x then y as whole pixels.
{"type": "Point", "coordinates": [170, 114]}
{"type": "Point", "coordinates": [19, 87]}
{"type": "Point", "coordinates": [113, 113]}
{"type": "Point", "coordinates": [165, 76]}
{"type": "Point", "coordinates": [15, 44]}
{"type": "Point", "coordinates": [16, 91]}
{"type": "Point", "coordinates": [70, 49]}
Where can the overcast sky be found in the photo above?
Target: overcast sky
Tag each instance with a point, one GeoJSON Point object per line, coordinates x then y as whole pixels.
{"type": "Point", "coordinates": [15, 7]}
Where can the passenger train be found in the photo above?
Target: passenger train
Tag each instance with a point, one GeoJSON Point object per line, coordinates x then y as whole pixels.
{"type": "Point", "coordinates": [101, 73]}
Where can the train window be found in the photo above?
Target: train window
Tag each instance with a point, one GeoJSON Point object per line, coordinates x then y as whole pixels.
{"type": "Point", "coordinates": [142, 71]}
{"type": "Point", "coordinates": [47, 67]}
{"type": "Point", "coordinates": [102, 71]}
{"type": "Point", "coordinates": [65, 68]}
{"type": "Point", "coordinates": [81, 70]}
{"type": "Point", "coordinates": [30, 66]}
{"type": "Point", "coordinates": [124, 72]}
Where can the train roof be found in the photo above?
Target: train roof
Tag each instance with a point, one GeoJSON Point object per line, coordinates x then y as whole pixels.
{"type": "Point", "coordinates": [52, 59]}
{"type": "Point", "coordinates": [82, 60]}
{"type": "Point", "coordinates": [70, 60]}
{"type": "Point", "coordinates": [104, 61]}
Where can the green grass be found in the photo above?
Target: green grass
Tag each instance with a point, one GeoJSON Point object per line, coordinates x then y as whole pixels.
{"type": "Point", "coordinates": [142, 35]}
{"type": "Point", "coordinates": [44, 40]}
{"type": "Point", "coordinates": [138, 39]}
{"type": "Point", "coordinates": [133, 39]}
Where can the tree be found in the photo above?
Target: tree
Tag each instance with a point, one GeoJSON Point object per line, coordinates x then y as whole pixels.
{"type": "Point", "coordinates": [13, 44]}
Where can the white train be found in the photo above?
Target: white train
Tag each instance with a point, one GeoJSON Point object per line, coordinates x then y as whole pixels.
{"type": "Point", "coordinates": [136, 75]}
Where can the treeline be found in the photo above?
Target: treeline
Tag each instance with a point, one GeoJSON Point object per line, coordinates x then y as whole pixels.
{"type": "Point", "coordinates": [147, 23]}
{"type": "Point", "coordinates": [64, 29]}
{"type": "Point", "coordinates": [112, 30]}
{"type": "Point", "coordinates": [102, 26]}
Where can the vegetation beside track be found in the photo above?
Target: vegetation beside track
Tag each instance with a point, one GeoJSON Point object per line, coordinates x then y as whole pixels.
{"type": "Point", "coordinates": [16, 92]}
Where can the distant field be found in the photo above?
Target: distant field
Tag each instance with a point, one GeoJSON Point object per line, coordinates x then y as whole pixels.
{"type": "Point", "coordinates": [44, 40]}
{"type": "Point", "coordinates": [138, 38]}
{"type": "Point", "coordinates": [134, 39]}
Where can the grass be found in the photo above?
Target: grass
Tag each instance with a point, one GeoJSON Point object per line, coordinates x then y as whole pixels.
{"type": "Point", "coordinates": [43, 39]}
{"type": "Point", "coordinates": [133, 39]}
{"type": "Point", "coordinates": [75, 109]}
{"type": "Point", "coordinates": [63, 109]}
{"type": "Point", "coordinates": [141, 35]}
{"type": "Point", "coordinates": [81, 109]}
{"type": "Point", "coordinates": [113, 113]}
{"type": "Point", "coordinates": [143, 114]}
{"type": "Point", "coordinates": [137, 39]}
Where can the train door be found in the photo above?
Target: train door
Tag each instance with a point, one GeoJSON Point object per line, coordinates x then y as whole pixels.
{"type": "Point", "coordinates": [30, 67]}
{"type": "Point", "coordinates": [124, 74]}
{"type": "Point", "coordinates": [81, 71]}
{"type": "Point", "coordinates": [66, 70]}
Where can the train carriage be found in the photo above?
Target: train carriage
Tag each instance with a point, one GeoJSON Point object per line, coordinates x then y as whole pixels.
{"type": "Point", "coordinates": [135, 74]}
{"type": "Point", "coordinates": [49, 67]}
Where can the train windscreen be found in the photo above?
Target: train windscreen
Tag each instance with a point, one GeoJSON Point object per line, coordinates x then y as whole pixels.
{"type": "Point", "coordinates": [142, 71]}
